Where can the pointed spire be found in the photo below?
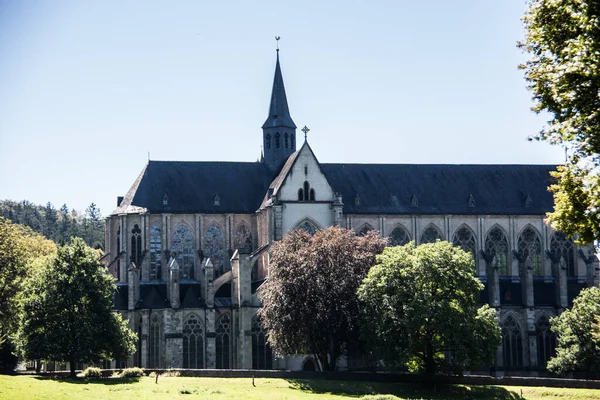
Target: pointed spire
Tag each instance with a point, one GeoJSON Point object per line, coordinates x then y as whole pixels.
{"type": "Point", "coordinates": [279, 113]}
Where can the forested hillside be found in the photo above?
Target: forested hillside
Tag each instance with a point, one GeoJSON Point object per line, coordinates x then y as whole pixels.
{"type": "Point", "coordinates": [57, 224]}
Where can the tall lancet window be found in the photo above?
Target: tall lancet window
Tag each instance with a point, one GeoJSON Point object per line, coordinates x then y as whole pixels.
{"type": "Point", "coordinates": [465, 239]}
{"type": "Point", "coordinates": [286, 139]}
{"type": "Point", "coordinates": [430, 235]}
{"type": "Point", "coordinates": [268, 141]}
{"type": "Point", "coordinates": [182, 246]}
{"type": "Point", "coordinates": [155, 252]}
{"type": "Point", "coordinates": [119, 254]}
{"type": "Point", "coordinates": [214, 247]}
{"type": "Point", "coordinates": [293, 139]}
{"type": "Point", "coordinates": [223, 341]}
{"type": "Point", "coordinates": [496, 245]}
{"type": "Point", "coordinates": [262, 356]}
{"type": "Point", "coordinates": [277, 140]}
{"type": "Point", "coordinates": [529, 245]}
{"type": "Point", "coordinates": [193, 343]}
{"type": "Point", "coordinates": [136, 245]}
{"type": "Point", "coordinates": [562, 247]}
{"type": "Point", "coordinates": [154, 342]}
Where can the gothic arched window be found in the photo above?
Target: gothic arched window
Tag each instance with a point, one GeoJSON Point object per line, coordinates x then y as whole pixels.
{"type": "Point", "coordinates": [529, 245]}
{"type": "Point", "coordinates": [300, 194]}
{"type": "Point", "coordinates": [155, 252]}
{"type": "Point", "coordinates": [546, 341]}
{"type": "Point", "coordinates": [366, 228]}
{"type": "Point", "coordinates": [496, 244]}
{"type": "Point", "coordinates": [308, 227]}
{"type": "Point", "coordinates": [277, 140]}
{"type": "Point", "coordinates": [562, 247]}
{"type": "Point", "coordinates": [465, 239]}
{"type": "Point", "coordinates": [136, 245]}
{"type": "Point", "coordinates": [268, 141]}
{"type": "Point", "coordinates": [285, 137]}
{"type": "Point", "coordinates": [430, 235]}
{"type": "Point", "coordinates": [214, 246]}
{"type": "Point", "coordinates": [223, 338]}
{"type": "Point", "coordinates": [306, 191]}
{"type": "Point", "coordinates": [312, 194]}
{"type": "Point", "coordinates": [262, 356]}
{"type": "Point", "coordinates": [193, 343]}
{"type": "Point", "coordinates": [512, 343]}
{"type": "Point", "coordinates": [119, 253]}
{"type": "Point", "coordinates": [182, 246]}
{"type": "Point", "coordinates": [243, 239]}
{"type": "Point", "coordinates": [293, 140]}
{"type": "Point", "coordinates": [399, 236]}
{"type": "Point", "coordinates": [154, 342]}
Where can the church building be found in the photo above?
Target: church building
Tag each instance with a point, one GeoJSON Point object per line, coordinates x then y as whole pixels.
{"type": "Point", "coordinates": [189, 244]}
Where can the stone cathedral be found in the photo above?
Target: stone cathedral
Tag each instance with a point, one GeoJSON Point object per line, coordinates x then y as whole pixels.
{"type": "Point", "coordinates": [189, 244]}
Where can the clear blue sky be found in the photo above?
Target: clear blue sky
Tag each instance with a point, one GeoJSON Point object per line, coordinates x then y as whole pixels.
{"type": "Point", "coordinates": [88, 88]}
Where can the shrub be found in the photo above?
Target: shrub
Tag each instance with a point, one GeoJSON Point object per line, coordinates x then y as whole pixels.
{"type": "Point", "coordinates": [92, 373]}
{"type": "Point", "coordinates": [379, 397]}
{"type": "Point", "coordinates": [134, 372]}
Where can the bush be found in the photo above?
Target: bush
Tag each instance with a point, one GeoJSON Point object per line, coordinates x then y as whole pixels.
{"type": "Point", "coordinates": [380, 397]}
{"type": "Point", "coordinates": [92, 373]}
{"type": "Point", "coordinates": [8, 359]}
{"type": "Point", "coordinates": [134, 372]}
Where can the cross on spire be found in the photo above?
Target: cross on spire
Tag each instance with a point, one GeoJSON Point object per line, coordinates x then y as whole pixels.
{"type": "Point", "coordinates": [277, 40]}
{"type": "Point", "coordinates": [305, 130]}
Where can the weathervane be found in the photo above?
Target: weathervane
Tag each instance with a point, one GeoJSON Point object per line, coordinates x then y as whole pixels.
{"type": "Point", "coordinates": [277, 39]}
{"type": "Point", "coordinates": [305, 130]}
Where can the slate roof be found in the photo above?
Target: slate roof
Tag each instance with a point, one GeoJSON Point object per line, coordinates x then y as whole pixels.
{"type": "Point", "coordinates": [192, 186]}
{"type": "Point", "coordinates": [153, 295]}
{"type": "Point", "coordinates": [242, 188]}
{"type": "Point", "coordinates": [279, 112]}
{"type": "Point", "coordinates": [441, 188]}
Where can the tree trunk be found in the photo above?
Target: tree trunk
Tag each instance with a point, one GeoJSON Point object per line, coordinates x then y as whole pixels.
{"type": "Point", "coordinates": [429, 372]}
{"type": "Point", "coordinates": [72, 367]}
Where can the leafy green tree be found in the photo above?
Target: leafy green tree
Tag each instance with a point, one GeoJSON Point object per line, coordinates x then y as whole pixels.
{"type": "Point", "coordinates": [419, 307]}
{"type": "Point", "coordinates": [563, 73]}
{"type": "Point", "coordinates": [50, 222]}
{"type": "Point", "coordinates": [67, 311]}
{"type": "Point", "coordinates": [94, 227]}
{"type": "Point", "coordinates": [19, 247]}
{"type": "Point", "coordinates": [578, 342]}
{"type": "Point", "coordinates": [309, 300]}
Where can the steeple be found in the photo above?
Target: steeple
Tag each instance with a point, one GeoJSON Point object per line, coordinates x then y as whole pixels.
{"type": "Point", "coordinates": [279, 130]}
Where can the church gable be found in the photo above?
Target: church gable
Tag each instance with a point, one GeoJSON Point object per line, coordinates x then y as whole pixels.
{"type": "Point", "coordinates": [304, 180]}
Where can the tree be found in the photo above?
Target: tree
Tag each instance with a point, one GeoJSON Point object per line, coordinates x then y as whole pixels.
{"type": "Point", "coordinates": [419, 309]}
{"type": "Point", "coordinates": [67, 311]}
{"type": "Point", "coordinates": [309, 300]}
{"type": "Point", "coordinates": [578, 346]}
{"type": "Point", "coordinates": [563, 73]}
{"type": "Point", "coordinates": [19, 247]}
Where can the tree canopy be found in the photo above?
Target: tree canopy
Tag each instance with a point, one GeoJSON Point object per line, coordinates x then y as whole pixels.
{"type": "Point", "coordinates": [419, 307]}
{"type": "Point", "coordinates": [578, 346]}
{"type": "Point", "coordinates": [309, 299]}
{"type": "Point", "coordinates": [563, 73]}
{"type": "Point", "coordinates": [67, 312]}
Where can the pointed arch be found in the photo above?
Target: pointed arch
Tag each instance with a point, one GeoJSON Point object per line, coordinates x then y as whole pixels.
{"type": "Point", "coordinates": [243, 239]}
{"type": "Point", "coordinates": [309, 225]}
{"type": "Point", "coordinates": [464, 237]}
{"type": "Point", "coordinates": [155, 252]}
{"type": "Point", "coordinates": [154, 342]}
{"type": "Point", "coordinates": [214, 246]}
{"type": "Point", "coordinates": [496, 244]}
{"type": "Point", "coordinates": [136, 245]}
{"type": "Point", "coordinates": [182, 249]}
{"type": "Point", "coordinates": [512, 342]}
{"type": "Point", "coordinates": [364, 229]}
{"type": "Point", "coordinates": [431, 234]}
{"type": "Point", "coordinates": [399, 236]}
{"type": "Point", "coordinates": [193, 342]}
{"type": "Point", "coordinates": [562, 247]}
{"type": "Point", "coordinates": [546, 340]}
{"type": "Point", "coordinates": [223, 341]}
{"type": "Point", "coordinates": [262, 356]}
{"type": "Point", "coordinates": [529, 244]}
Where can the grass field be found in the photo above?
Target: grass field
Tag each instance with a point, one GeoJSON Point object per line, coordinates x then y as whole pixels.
{"type": "Point", "coordinates": [33, 388]}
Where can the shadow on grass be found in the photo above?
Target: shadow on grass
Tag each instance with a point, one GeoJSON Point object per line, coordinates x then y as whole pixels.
{"type": "Point", "coordinates": [403, 390]}
{"type": "Point", "coordinates": [84, 381]}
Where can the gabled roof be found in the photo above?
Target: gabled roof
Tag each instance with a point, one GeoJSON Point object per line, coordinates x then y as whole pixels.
{"type": "Point", "coordinates": [441, 188]}
{"type": "Point", "coordinates": [279, 112]}
{"type": "Point", "coordinates": [280, 178]}
{"type": "Point", "coordinates": [191, 187]}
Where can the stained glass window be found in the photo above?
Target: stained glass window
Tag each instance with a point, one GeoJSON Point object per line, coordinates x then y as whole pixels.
{"type": "Point", "coordinates": [465, 239]}
{"type": "Point", "coordinates": [262, 356]}
{"type": "Point", "coordinates": [399, 237]}
{"type": "Point", "coordinates": [193, 343]}
{"type": "Point", "coordinates": [546, 341]}
{"type": "Point", "coordinates": [561, 246]}
{"type": "Point", "coordinates": [512, 343]}
{"type": "Point", "coordinates": [223, 338]}
{"type": "Point", "coordinates": [155, 252]}
{"type": "Point", "coordinates": [243, 239]}
{"type": "Point", "coordinates": [182, 248]}
{"type": "Point", "coordinates": [214, 246]}
{"type": "Point", "coordinates": [430, 235]}
{"type": "Point", "coordinates": [136, 245]}
{"type": "Point", "coordinates": [154, 342]}
{"type": "Point", "coordinates": [308, 227]}
{"type": "Point", "coordinates": [496, 244]}
{"type": "Point", "coordinates": [366, 228]}
{"type": "Point", "coordinates": [529, 245]}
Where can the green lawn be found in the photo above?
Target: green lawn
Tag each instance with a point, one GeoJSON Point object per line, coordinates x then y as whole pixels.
{"type": "Point", "coordinates": [32, 388]}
